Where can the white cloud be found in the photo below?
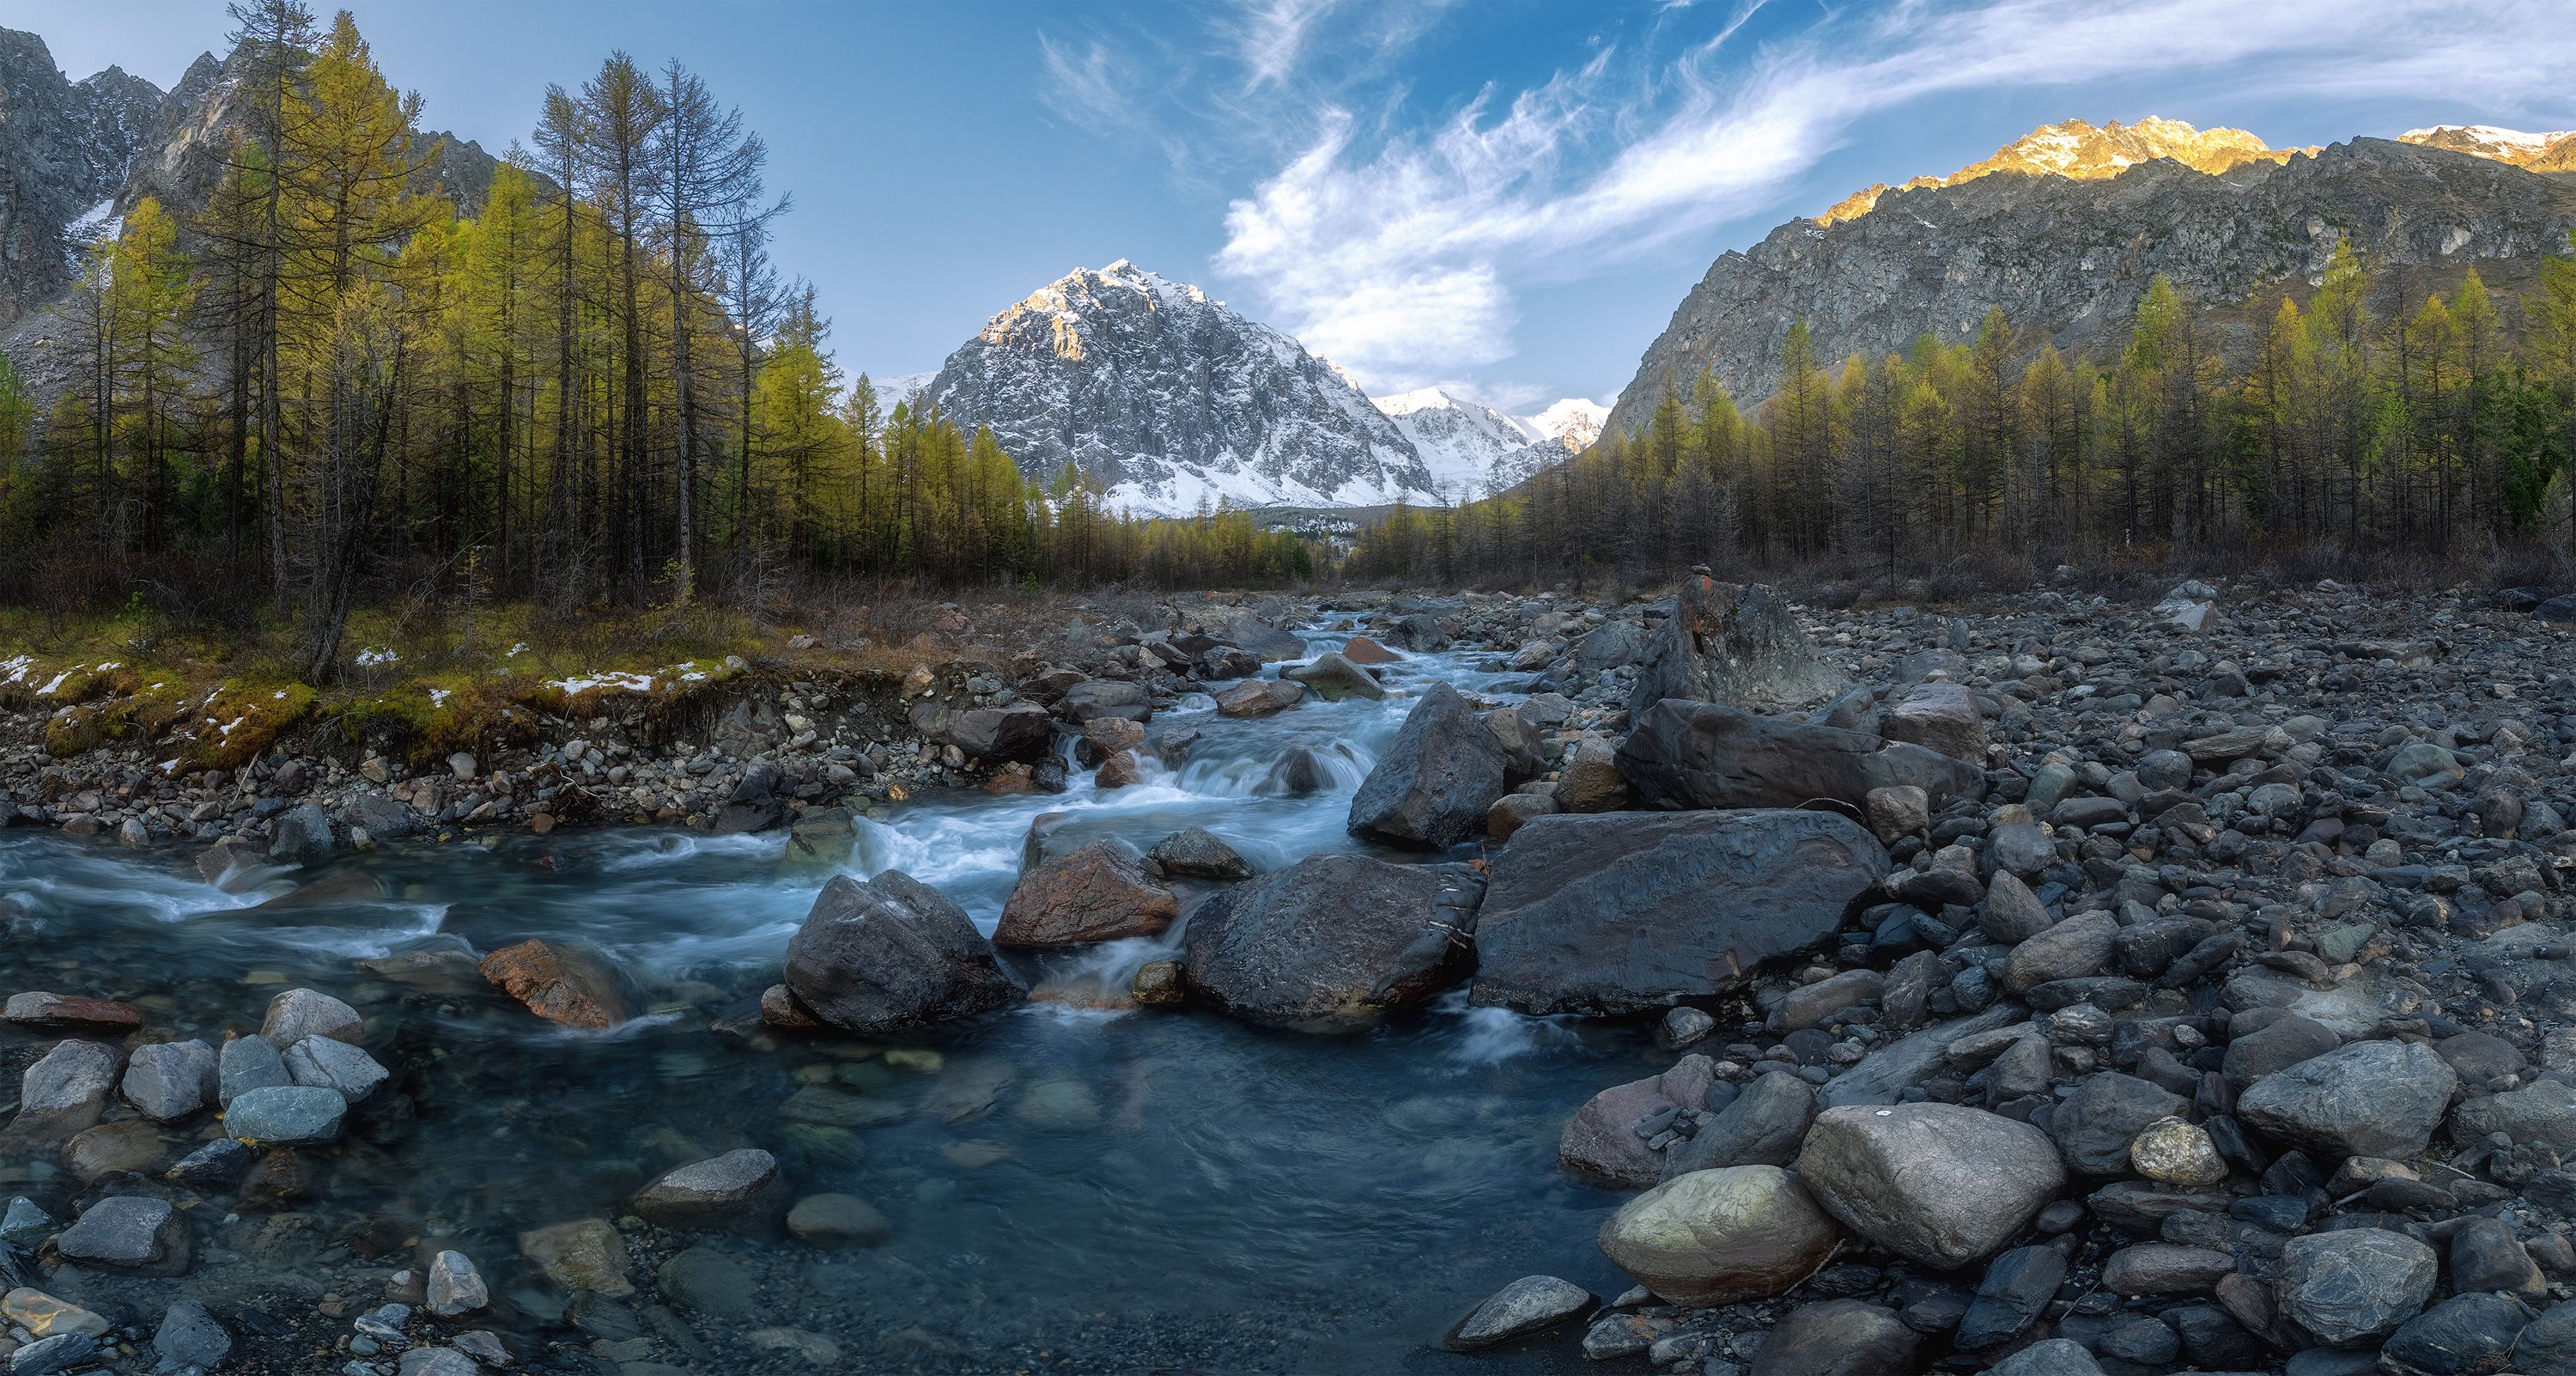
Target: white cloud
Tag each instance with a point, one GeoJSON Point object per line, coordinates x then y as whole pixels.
{"type": "Point", "coordinates": [1397, 256]}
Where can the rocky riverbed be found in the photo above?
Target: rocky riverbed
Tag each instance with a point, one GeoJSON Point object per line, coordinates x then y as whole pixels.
{"type": "Point", "coordinates": [2053, 985]}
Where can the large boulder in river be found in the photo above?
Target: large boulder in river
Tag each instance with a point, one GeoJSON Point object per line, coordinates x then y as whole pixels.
{"type": "Point", "coordinates": [1097, 893]}
{"type": "Point", "coordinates": [890, 954]}
{"type": "Point", "coordinates": [1707, 755]}
{"type": "Point", "coordinates": [1334, 678]}
{"type": "Point", "coordinates": [1332, 941]}
{"type": "Point", "coordinates": [1732, 644]}
{"type": "Point", "coordinates": [1614, 912]}
{"type": "Point", "coordinates": [571, 984]}
{"type": "Point", "coordinates": [1105, 697]}
{"type": "Point", "coordinates": [1432, 786]}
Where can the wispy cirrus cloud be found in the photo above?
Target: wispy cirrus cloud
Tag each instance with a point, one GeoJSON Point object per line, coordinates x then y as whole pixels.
{"type": "Point", "coordinates": [1397, 249]}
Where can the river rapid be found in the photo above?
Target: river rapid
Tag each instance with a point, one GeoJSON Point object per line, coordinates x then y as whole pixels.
{"type": "Point", "coordinates": [1071, 1187]}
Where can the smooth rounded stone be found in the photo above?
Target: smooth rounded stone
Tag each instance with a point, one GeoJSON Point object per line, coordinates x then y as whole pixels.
{"type": "Point", "coordinates": [838, 1220]}
{"type": "Point", "coordinates": [248, 1063]}
{"type": "Point", "coordinates": [2485, 1255]}
{"type": "Point", "coordinates": [1432, 784]}
{"type": "Point", "coordinates": [584, 1254]}
{"type": "Point", "coordinates": [2364, 1099]}
{"type": "Point", "coordinates": [2161, 1268]}
{"type": "Point", "coordinates": [455, 1287]}
{"type": "Point", "coordinates": [2481, 1056]}
{"type": "Point", "coordinates": [189, 1336]}
{"type": "Point", "coordinates": [122, 1232]}
{"type": "Point", "coordinates": [892, 954]}
{"type": "Point", "coordinates": [171, 1080]}
{"type": "Point", "coordinates": [1058, 1104]}
{"type": "Point", "coordinates": [1197, 853]}
{"type": "Point", "coordinates": [42, 1012]}
{"type": "Point", "coordinates": [1334, 678]}
{"type": "Point", "coordinates": [131, 1144]}
{"type": "Point", "coordinates": [1096, 893]}
{"type": "Point", "coordinates": [1763, 1127]}
{"type": "Point", "coordinates": [1014, 731]}
{"type": "Point", "coordinates": [2171, 1151]}
{"type": "Point", "coordinates": [1513, 811]}
{"type": "Point", "coordinates": [1332, 941]}
{"type": "Point", "coordinates": [2079, 946]}
{"type": "Point", "coordinates": [323, 1063]}
{"type": "Point", "coordinates": [569, 984]}
{"type": "Point", "coordinates": [2054, 1357]}
{"type": "Point", "coordinates": [286, 1115]}
{"type": "Point", "coordinates": [1158, 983]}
{"type": "Point", "coordinates": [707, 1282]}
{"type": "Point", "coordinates": [2465, 1335]}
{"type": "Point", "coordinates": [2011, 913]}
{"type": "Point", "coordinates": [1528, 1305]}
{"type": "Point", "coordinates": [2095, 1124]}
{"type": "Point", "coordinates": [1105, 697]}
{"type": "Point", "coordinates": [2355, 1283]}
{"type": "Point", "coordinates": [709, 1189]}
{"type": "Point", "coordinates": [1941, 1184]}
{"type": "Point", "coordinates": [2016, 1290]}
{"type": "Point", "coordinates": [67, 1088]}
{"type": "Point", "coordinates": [1721, 1236]}
{"type": "Point", "coordinates": [442, 1361]}
{"type": "Point", "coordinates": [2544, 1112]}
{"type": "Point", "coordinates": [1623, 912]}
{"type": "Point", "coordinates": [45, 1356]}
{"type": "Point", "coordinates": [301, 1013]}
{"type": "Point", "coordinates": [2276, 1046]}
{"type": "Point", "coordinates": [1838, 1338]}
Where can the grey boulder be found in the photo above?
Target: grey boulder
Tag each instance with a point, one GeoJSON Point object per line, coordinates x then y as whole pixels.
{"type": "Point", "coordinates": [1941, 1184]}
{"type": "Point", "coordinates": [2356, 1283]}
{"type": "Point", "coordinates": [1431, 788]}
{"type": "Point", "coordinates": [1618, 912]}
{"type": "Point", "coordinates": [1331, 942]}
{"type": "Point", "coordinates": [171, 1080]}
{"type": "Point", "coordinates": [891, 954]}
{"type": "Point", "coordinates": [2364, 1099]}
{"type": "Point", "coordinates": [1706, 755]}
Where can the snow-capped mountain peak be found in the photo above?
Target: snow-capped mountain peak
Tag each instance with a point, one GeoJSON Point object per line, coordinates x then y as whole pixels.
{"type": "Point", "coordinates": [2501, 145]}
{"type": "Point", "coordinates": [1169, 400]}
{"type": "Point", "coordinates": [1469, 446]}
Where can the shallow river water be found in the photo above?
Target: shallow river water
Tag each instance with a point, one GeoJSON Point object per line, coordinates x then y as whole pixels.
{"type": "Point", "coordinates": [1069, 1188]}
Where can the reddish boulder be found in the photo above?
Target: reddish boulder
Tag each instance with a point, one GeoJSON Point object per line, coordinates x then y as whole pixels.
{"type": "Point", "coordinates": [70, 1013]}
{"type": "Point", "coordinates": [1097, 893]}
{"type": "Point", "coordinates": [562, 984]}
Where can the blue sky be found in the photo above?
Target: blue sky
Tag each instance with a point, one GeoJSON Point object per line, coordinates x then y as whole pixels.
{"type": "Point", "coordinates": [1506, 197]}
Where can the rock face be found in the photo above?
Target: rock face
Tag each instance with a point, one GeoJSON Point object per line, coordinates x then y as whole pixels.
{"type": "Point", "coordinates": [66, 149]}
{"type": "Point", "coordinates": [1738, 645]}
{"type": "Point", "coordinates": [1708, 755]}
{"type": "Point", "coordinates": [1932, 260]}
{"type": "Point", "coordinates": [1942, 1184]}
{"type": "Point", "coordinates": [1332, 941]}
{"type": "Point", "coordinates": [1163, 396]}
{"type": "Point", "coordinates": [1432, 786]}
{"type": "Point", "coordinates": [1721, 1236]}
{"type": "Point", "coordinates": [1097, 893]}
{"type": "Point", "coordinates": [890, 954]}
{"type": "Point", "coordinates": [1618, 912]}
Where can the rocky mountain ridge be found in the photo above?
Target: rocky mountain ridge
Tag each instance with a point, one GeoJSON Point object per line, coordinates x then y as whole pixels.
{"type": "Point", "coordinates": [1470, 446]}
{"type": "Point", "coordinates": [2080, 151]}
{"type": "Point", "coordinates": [2553, 152]}
{"type": "Point", "coordinates": [2067, 257]}
{"type": "Point", "coordinates": [1169, 401]}
{"type": "Point", "coordinates": [64, 146]}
